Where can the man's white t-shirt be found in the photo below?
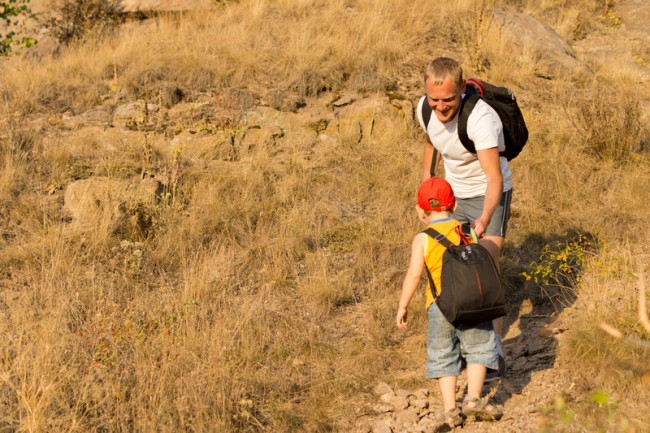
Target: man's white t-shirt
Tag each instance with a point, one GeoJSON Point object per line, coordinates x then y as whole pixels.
{"type": "Point", "coordinates": [462, 168]}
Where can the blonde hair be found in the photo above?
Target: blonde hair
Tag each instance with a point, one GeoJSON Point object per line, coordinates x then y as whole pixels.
{"type": "Point", "coordinates": [442, 68]}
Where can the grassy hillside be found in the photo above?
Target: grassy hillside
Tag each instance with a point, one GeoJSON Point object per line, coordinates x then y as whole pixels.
{"type": "Point", "coordinates": [256, 291]}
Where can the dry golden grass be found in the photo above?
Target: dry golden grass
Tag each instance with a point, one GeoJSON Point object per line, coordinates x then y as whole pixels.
{"type": "Point", "coordinates": [260, 294]}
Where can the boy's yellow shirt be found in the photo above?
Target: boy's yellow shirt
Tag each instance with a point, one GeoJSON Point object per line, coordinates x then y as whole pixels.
{"type": "Point", "coordinates": [433, 252]}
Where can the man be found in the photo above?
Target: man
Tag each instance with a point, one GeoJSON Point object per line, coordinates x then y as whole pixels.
{"type": "Point", "coordinates": [482, 181]}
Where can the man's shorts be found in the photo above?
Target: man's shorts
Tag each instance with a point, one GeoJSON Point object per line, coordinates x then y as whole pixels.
{"type": "Point", "coordinates": [446, 344]}
{"type": "Point", "coordinates": [469, 210]}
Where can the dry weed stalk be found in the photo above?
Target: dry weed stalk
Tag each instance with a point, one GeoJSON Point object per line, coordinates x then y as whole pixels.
{"type": "Point", "coordinates": [480, 25]}
{"type": "Point", "coordinates": [643, 306]}
{"type": "Point", "coordinates": [643, 317]}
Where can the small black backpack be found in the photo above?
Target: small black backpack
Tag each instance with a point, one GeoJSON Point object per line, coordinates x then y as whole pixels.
{"type": "Point", "coordinates": [472, 291]}
{"type": "Point", "coordinates": [503, 101]}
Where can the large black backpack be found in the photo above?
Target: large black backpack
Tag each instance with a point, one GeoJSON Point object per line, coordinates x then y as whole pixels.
{"type": "Point", "coordinates": [503, 101]}
{"type": "Point", "coordinates": [472, 291]}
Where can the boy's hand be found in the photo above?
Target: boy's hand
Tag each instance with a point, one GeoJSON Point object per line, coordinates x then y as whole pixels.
{"type": "Point", "coordinates": [402, 314]}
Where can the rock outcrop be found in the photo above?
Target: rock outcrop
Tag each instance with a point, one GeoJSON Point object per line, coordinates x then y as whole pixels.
{"type": "Point", "coordinates": [145, 6]}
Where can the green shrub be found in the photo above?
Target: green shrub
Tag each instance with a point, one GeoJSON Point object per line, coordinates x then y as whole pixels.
{"type": "Point", "coordinates": [10, 10]}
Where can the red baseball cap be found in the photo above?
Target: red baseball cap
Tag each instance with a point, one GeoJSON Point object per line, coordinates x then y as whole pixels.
{"type": "Point", "coordinates": [436, 189]}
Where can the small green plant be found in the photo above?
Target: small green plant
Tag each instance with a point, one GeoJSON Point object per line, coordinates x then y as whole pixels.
{"type": "Point", "coordinates": [560, 262]}
{"type": "Point", "coordinates": [565, 414]}
{"type": "Point", "coordinates": [600, 397]}
{"type": "Point", "coordinates": [558, 271]}
{"type": "Point", "coordinates": [600, 413]}
{"type": "Point", "coordinates": [10, 11]}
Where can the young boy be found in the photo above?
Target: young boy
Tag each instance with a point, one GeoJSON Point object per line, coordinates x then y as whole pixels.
{"type": "Point", "coordinates": [446, 341]}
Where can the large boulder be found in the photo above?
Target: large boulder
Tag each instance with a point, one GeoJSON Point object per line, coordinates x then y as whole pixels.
{"type": "Point", "coordinates": [359, 119]}
{"type": "Point", "coordinates": [102, 203]}
{"type": "Point", "coordinates": [553, 55]}
{"type": "Point", "coordinates": [193, 147]}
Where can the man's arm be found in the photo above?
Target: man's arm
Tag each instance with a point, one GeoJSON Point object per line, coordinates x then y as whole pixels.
{"type": "Point", "coordinates": [427, 154]}
{"type": "Point", "coordinates": [489, 160]}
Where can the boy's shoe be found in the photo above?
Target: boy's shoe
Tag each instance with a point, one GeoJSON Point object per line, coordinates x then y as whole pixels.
{"type": "Point", "coordinates": [493, 375]}
{"type": "Point", "coordinates": [481, 409]}
{"type": "Point", "coordinates": [450, 418]}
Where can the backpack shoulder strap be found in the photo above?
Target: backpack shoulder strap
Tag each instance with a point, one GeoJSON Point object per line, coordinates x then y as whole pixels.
{"type": "Point", "coordinates": [466, 107]}
{"type": "Point", "coordinates": [426, 118]}
{"type": "Point", "coordinates": [426, 112]}
{"type": "Point", "coordinates": [432, 285]}
{"type": "Point", "coordinates": [438, 237]}
{"type": "Point", "coordinates": [434, 161]}
{"type": "Point", "coordinates": [441, 239]}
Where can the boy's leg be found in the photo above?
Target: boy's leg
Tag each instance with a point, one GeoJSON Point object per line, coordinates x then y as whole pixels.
{"type": "Point", "coordinates": [443, 355]}
{"type": "Point", "coordinates": [450, 414]}
{"type": "Point", "coordinates": [443, 352]}
{"type": "Point", "coordinates": [448, 391]}
{"type": "Point", "coordinates": [479, 347]}
{"type": "Point", "coordinates": [443, 363]}
{"type": "Point", "coordinates": [481, 354]}
{"type": "Point", "coordinates": [475, 379]}
{"type": "Point", "coordinates": [474, 406]}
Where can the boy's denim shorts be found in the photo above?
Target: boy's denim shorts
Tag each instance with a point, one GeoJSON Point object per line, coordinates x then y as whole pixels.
{"type": "Point", "coordinates": [446, 344]}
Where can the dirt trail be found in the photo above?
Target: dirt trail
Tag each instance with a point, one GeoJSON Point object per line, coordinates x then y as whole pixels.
{"type": "Point", "coordinates": [534, 327]}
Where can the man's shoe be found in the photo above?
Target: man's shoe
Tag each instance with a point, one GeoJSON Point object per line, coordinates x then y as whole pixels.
{"type": "Point", "coordinates": [493, 375]}
{"type": "Point", "coordinates": [481, 409]}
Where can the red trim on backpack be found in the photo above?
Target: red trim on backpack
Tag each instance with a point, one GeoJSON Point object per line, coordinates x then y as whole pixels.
{"type": "Point", "coordinates": [478, 283]}
{"type": "Point", "coordinates": [464, 239]}
{"type": "Point", "coordinates": [477, 84]}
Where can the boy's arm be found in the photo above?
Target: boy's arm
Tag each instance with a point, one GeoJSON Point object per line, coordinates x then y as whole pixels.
{"type": "Point", "coordinates": [411, 280]}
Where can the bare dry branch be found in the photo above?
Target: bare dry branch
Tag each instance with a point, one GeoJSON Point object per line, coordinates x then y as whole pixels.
{"type": "Point", "coordinates": [643, 307]}
{"type": "Point", "coordinates": [633, 341]}
{"type": "Point", "coordinates": [611, 330]}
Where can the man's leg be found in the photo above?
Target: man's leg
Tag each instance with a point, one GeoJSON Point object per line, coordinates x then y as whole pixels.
{"type": "Point", "coordinates": [494, 245]}
{"type": "Point", "coordinates": [469, 210]}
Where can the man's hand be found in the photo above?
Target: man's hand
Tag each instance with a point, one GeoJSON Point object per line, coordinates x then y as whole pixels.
{"type": "Point", "coordinates": [479, 226]}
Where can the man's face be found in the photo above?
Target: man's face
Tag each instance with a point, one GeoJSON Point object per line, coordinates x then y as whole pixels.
{"type": "Point", "coordinates": [444, 98]}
